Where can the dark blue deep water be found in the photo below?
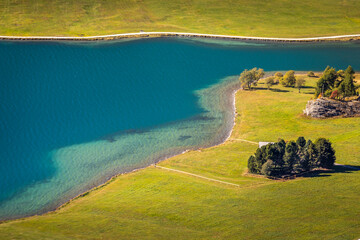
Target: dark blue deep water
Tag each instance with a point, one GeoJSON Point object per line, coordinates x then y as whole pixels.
{"type": "Point", "coordinates": [60, 101]}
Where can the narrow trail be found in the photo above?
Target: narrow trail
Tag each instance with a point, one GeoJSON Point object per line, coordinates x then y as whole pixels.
{"type": "Point", "coordinates": [199, 176]}
{"type": "Point", "coordinates": [229, 183]}
{"type": "Point", "coordinates": [243, 140]}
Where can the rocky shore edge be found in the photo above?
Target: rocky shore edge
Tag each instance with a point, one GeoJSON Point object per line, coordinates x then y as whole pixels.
{"type": "Point", "coordinates": [142, 34]}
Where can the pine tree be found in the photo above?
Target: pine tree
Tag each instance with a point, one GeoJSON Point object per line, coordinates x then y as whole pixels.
{"type": "Point", "coordinates": [260, 158]}
{"type": "Point", "coordinates": [302, 161]}
{"type": "Point", "coordinates": [301, 142]}
{"type": "Point", "coordinates": [350, 71]}
{"type": "Point", "coordinates": [312, 155]}
{"type": "Point", "coordinates": [269, 169]}
{"type": "Point", "coordinates": [347, 87]}
{"type": "Point", "coordinates": [290, 156]}
{"type": "Point", "coordinates": [252, 165]}
{"type": "Point", "coordinates": [326, 154]}
{"type": "Point", "coordinates": [327, 82]}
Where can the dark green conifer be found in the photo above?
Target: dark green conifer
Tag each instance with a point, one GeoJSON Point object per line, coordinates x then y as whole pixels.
{"type": "Point", "coordinates": [326, 154]}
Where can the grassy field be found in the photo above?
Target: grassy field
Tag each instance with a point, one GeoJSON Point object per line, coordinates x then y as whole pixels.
{"type": "Point", "coordinates": [154, 203]}
{"type": "Point", "coordinates": [271, 18]}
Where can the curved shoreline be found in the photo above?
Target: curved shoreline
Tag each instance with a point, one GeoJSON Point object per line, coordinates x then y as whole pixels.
{"type": "Point", "coordinates": [230, 96]}
{"type": "Point", "coordinates": [349, 37]}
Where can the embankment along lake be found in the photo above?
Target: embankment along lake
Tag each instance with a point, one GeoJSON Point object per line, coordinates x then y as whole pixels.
{"type": "Point", "coordinates": [74, 114]}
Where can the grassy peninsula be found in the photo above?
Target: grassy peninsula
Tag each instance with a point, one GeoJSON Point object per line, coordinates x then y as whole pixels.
{"type": "Point", "coordinates": [284, 18]}
{"type": "Point", "coordinates": [155, 203]}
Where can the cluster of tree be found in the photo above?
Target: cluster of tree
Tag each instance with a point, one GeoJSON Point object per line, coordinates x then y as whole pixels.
{"type": "Point", "coordinates": [249, 78]}
{"type": "Point", "coordinates": [281, 158]}
{"type": "Point", "coordinates": [336, 84]}
{"type": "Point", "coordinates": [287, 80]}
{"type": "Point", "coordinates": [290, 80]}
{"type": "Point", "coordinates": [273, 80]}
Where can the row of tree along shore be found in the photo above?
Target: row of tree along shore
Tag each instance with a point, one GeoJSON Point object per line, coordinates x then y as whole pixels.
{"type": "Point", "coordinates": [337, 85]}
{"type": "Point", "coordinates": [282, 158]}
{"type": "Point", "coordinates": [250, 78]}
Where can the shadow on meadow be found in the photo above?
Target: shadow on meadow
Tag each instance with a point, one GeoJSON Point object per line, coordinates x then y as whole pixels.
{"type": "Point", "coordinates": [327, 173]}
{"type": "Point", "coordinates": [307, 87]}
{"type": "Point", "coordinates": [271, 89]}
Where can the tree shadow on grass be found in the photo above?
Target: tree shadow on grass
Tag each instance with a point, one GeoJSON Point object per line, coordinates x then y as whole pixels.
{"type": "Point", "coordinates": [308, 87]}
{"type": "Point", "coordinates": [328, 172]}
{"type": "Point", "coordinates": [271, 89]}
{"type": "Point", "coordinates": [278, 90]}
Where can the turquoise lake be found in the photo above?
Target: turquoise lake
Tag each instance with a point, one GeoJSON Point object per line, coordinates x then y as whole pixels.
{"type": "Point", "coordinates": [74, 114]}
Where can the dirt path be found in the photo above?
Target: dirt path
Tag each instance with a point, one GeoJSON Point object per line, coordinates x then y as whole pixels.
{"type": "Point", "coordinates": [243, 140]}
{"type": "Point", "coordinates": [199, 176]}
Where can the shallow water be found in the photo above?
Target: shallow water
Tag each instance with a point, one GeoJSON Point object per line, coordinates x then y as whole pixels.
{"type": "Point", "coordinates": [72, 115]}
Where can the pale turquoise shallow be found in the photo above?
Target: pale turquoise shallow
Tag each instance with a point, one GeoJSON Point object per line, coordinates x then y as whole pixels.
{"type": "Point", "coordinates": [73, 115]}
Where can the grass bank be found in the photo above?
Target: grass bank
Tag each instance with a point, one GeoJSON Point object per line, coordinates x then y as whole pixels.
{"type": "Point", "coordinates": [274, 18]}
{"type": "Point", "coordinates": [154, 203]}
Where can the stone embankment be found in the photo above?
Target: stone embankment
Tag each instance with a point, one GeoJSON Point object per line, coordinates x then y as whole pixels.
{"type": "Point", "coordinates": [326, 108]}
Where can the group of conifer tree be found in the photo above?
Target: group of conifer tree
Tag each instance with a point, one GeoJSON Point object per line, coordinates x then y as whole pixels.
{"type": "Point", "coordinates": [336, 84]}
{"type": "Point", "coordinates": [281, 158]}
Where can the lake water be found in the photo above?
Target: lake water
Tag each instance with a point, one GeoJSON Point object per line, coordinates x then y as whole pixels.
{"type": "Point", "coordinates": [74, 114]}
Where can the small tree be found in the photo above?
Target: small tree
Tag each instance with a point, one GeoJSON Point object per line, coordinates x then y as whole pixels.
{"type": "Point", "coordinates": [326, 83]}
{"type": "Point", "coordinates": [269, 81]}
{"type": "Point", "coordinates": [288, 80]}
{"type": "Point", "coordinates": [278, 75]}
{"type": "Point", "coordinates": [334, 94]}
{"type": "Point", "coordinates": [251, 77]}
{"type": "Point", "coordinates": [269, 169]}
{"type": "Point", "coordinates": [259, 73]}
{"type": "Point", "coordinates": [312, 153]}
{"type": "Point", "coordinates": [325, 153]}
{"type": "Point", "coordinates": [260, 159]}
{"type": "Point", "coordinates": [302, 161]}
{"type": "Point", "coordinates": [311, 74]}
{"type": "Point", "coordinates": [300, 82]}
{"type": "Point", "coordinates": [252, 165]}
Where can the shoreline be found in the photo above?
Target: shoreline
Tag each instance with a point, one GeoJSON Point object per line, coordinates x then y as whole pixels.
{"type": "Point", "coordinates": [231, 97]}
{"type": "Point", "coordinates": [350, 37]}
{"type": "Point", "coordinates": [221, 142]}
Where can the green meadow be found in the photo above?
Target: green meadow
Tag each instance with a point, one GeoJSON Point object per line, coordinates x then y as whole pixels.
{"type": "Point", "coordinates": [270, 18]}
{"type": "Point", "coordinates": [155, 203]}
